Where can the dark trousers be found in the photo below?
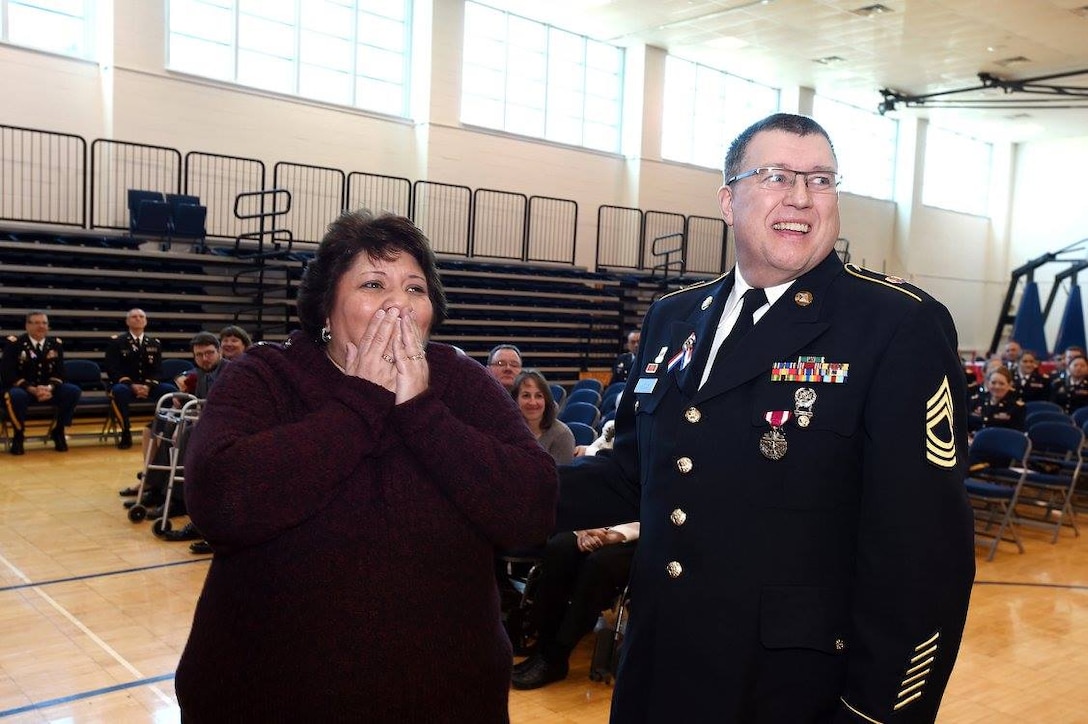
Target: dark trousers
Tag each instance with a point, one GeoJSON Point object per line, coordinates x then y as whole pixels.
{"type": "Point", "coordinates": [572, 590]}
{"type": "Point", "coordinates": [121, 397]}
{"type": "Point", "coordinates": [65, 398]}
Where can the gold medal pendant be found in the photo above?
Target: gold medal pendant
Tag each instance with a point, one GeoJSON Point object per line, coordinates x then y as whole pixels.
{"type": "Point", "coordinates": [773, 444]}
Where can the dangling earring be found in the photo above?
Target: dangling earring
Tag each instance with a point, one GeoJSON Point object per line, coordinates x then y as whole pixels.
{"type": "Point", "coordinates": [326, 335]}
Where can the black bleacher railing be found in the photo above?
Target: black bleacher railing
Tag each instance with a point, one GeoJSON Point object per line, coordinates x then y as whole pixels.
{"type": "Point", "coordinates": [42, 177]}
{"type": "Point", "coordinates": [379, 193]}
{"type": "Point", "coordinates": [52, 183]}
{"type": "Point", "coordinates": [117, 166]}
{"type": "Point", "coordinates": [499, 224]}
{"type": "Point", "coordinates": [218, 180]}
{"type": "Point", "coordinates": [551, 229]}
{"type": "Point", "coordinates": [317, 197]}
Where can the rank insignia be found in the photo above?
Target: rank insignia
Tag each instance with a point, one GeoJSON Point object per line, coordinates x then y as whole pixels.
{"type": "Point", "coordinates": [810, 369]}
{"type": "Point", "coordinates": [940, 435]}
{"type": "Point", "coordinates": [802, 299]}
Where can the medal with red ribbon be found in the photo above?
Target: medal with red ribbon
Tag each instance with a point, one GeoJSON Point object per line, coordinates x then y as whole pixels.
{"type": "Point", "coordinates": [773, 443]}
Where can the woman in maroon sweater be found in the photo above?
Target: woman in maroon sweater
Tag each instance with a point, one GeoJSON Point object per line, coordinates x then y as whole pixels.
{"type": "Point", "coordinates": [355, 483]}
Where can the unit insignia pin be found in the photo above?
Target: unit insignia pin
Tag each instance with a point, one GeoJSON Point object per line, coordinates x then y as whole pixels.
{"type": "Point", "coordinates": [661, 355]}
{"type": "Point", "coordinates": [707, 302]}
{"type": "Point", "coordinates": [895, 280]}
{"type": "Point", "coordinates": [802, 299]}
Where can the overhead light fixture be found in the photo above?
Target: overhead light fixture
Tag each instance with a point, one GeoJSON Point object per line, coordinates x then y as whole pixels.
{"type": "Point", "coordinates": [829, 60]}
{"type": "Point", "coordinates": [870, 10]}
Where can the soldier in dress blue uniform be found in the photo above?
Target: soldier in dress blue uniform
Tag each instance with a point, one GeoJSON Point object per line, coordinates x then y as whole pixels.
{"type": "Point", "coordinates": [807, 548]}
{"type": "Point", "coordinates": [1001, 405]}
{"type": "Point", "coordinates": [134, 365]}
{"type": "Point", "coordinates": [622, 367]}
{"type": "Point", "coordinates": [1072, 391]}
{"type": "Point", "coordinates": [1030, 382]}
{"type": "Point", "coordinates": [33, 372]}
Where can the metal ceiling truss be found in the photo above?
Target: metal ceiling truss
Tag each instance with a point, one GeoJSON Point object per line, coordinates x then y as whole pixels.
{"type": "Point", "coordinates": [1059, 96]}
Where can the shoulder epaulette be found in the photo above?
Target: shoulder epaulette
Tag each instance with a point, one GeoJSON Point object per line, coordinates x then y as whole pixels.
{"type": "Point", "coordinates": [58, 340]}
{"type": "Point", "coordinates": [114, 336]}
{"type": "Point", "coordinates": [891, 282]}
{"type": "Point", "coordinates": [696, 285]}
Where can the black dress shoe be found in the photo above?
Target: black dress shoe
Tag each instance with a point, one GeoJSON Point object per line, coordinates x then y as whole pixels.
{"type": "Point", "coordinates": [538, 673]}
{"type": "Point", "coordinates": [17, 445]}
{"type": "Point", "coordinates": [129, 492]}
{"type": "Point", "coordinates": [60, 442]}
{"type": "Point", "coordinates": [201, 546]}
{"type": "Point", "coordinates": [126, 441]}
{"type": "Point", "coordinates": [186, 532]}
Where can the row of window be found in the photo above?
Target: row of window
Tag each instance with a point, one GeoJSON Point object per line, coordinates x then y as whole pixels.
{"type": "Point", "coordinates": [519, 76]}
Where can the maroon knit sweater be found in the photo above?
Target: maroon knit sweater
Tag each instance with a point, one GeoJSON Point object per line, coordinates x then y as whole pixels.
{"type": "Point", "coordinates": [353, 577]}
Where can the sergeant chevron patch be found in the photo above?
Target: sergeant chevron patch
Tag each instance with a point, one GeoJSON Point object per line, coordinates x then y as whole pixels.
{"type": "Point", "coordinates": [940, 437]}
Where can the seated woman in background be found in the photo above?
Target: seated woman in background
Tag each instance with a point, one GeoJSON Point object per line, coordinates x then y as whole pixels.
{"type": "Point", "coordinates": [1001, 405]}
{"type": "Point", "coordinates": [233, 341]}
{"type": "Point", "coordinates": [538, 407]}
{"type": "Point", "coordinates": [354, 483]}
{"type": "Point", "coordinates": [1031, 383]}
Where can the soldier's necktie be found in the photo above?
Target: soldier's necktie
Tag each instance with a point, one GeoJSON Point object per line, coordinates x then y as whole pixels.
{"type": "Point", "coordinates": [38, 347]}
{"type": "Point", "coordinates": [753, 300]}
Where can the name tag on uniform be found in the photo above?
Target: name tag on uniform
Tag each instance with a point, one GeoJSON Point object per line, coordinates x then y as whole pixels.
{"type": "Point", "coordinates": [645, 384]}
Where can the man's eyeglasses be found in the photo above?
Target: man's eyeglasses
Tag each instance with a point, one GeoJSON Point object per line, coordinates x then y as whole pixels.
{"type": "Point", "coordinates": [773, 178]}
{"type": "Point", "coordinates": [503, 363]}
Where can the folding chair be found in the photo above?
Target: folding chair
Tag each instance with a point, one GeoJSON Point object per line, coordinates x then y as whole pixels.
{"type": "Point", "coordinates": [1035, 418]}
{"type": "Point", "coordinates": [1055, 466]}
{"type": "Point", "coordinates": [582, 412]}
{"type": "Point", "coordinates": [1042, 406]}
{"type": "Point", "coordinates": [583, 433]}
{"type": "Point", "coordinates": [999, 461]}
{"type": "Point", "coordinates": [585, 395]}
{"type": "Point", "coordinates": [559, 393]}
{"type": "Point", "coordinates": [1080, 416]}
{"type": "Point", "coordinates": [590, 382]}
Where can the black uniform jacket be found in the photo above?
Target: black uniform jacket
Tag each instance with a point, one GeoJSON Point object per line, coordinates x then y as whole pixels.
{"type": "Point", "coordinates": [23, 366]}
{"type": "Point", "coordinates": [822, 586]}
{"type": "Point", "coordinates": [129, 362]}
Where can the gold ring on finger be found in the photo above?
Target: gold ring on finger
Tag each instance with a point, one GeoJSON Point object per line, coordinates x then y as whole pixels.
{"type": "Point", "coordinates": [389, 358]}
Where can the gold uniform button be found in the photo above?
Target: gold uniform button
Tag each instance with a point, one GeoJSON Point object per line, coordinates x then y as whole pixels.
{"type": "Point", "coordinates": [636, 405]}
{"type": "Point", "coordinates": [840, 644]}
{"type": "Point", "coordinates": [674, 569]}
{"type": "Point", "coordinates": [678, 517]}
{"type": "Point", "coordinates": [684, 465]}
{"type": "Point", "coordinates": [693, 415]}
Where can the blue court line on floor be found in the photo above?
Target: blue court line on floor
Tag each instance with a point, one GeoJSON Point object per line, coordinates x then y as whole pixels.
{"type": "Point", "coordinates": [1068, 586]}
{"type": "Point", "coordinates": [85, 695]}
{"type": "Point", "coordinates": [34, 584]}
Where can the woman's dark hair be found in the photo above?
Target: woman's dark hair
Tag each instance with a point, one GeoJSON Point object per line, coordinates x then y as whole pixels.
{"type": "Point", "coordinates": [382, 237]}
{"type": "Point", "coordinates": [545, 389]}
{"type": "Point", "coordinates": [233, 330]}
{"type": "Point", "coordinates": [788, 122]}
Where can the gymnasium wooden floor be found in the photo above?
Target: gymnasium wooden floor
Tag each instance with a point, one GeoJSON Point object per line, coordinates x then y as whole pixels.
{"type": "Point", "coordinates": [94, 612]}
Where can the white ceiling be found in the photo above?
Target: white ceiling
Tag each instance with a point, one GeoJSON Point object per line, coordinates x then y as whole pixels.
{"type": "Point", "coordinates": [916, 48]}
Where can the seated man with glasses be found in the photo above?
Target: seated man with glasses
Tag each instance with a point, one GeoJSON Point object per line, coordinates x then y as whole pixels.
{"type": "Point", "coordinates": [504, 364]}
